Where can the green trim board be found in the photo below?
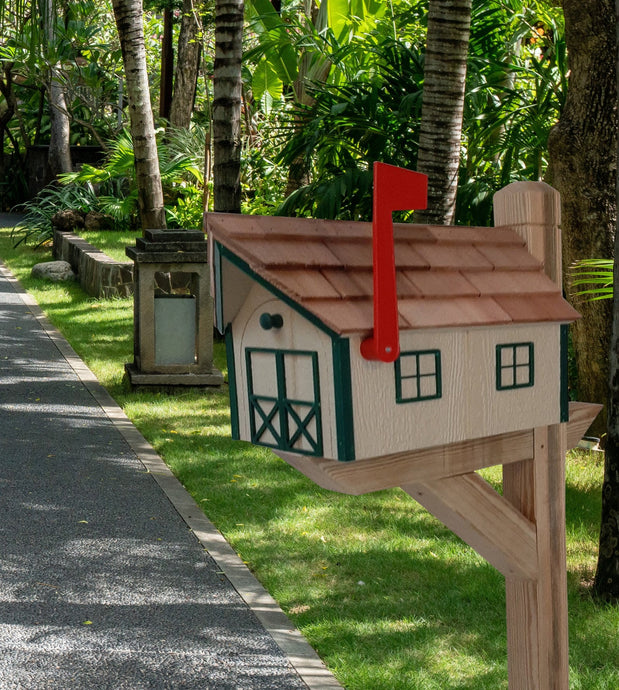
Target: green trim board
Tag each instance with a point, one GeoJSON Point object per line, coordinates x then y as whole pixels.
{"type": "Point", "coordinates": [232, 385]}
{"type": "Point", "coordinates": [219, 300]}
{"type": "Point", "coordinates": [515, 366]}
{"type": "Point", "coordinates": [418, 376]}
{"type": "Point", "coordinates": [564, 386]}
{"type": "Point", "coordinates": [342, 388]}
{"type": "Point", "coordinates": [243, 266]}
{"type": "Point", "coordinates": [279, 421]}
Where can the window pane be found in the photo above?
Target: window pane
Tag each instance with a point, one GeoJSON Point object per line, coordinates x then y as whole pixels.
{"type": "Point", "coordinates": [428, 387]}
{"type": "Point", "coordinates": [507, 356]}
{"type": "Point", "coordinates": [427, 364]}
{"type": "Point", "coordinates": [522, 354]}
{"type": "Point", "coordinates": [514, 364]}
{"type": "Point", "coordinates": [507, 378]}
{"type": "Point", "coordinates": [523, 376]}
{"type": "Point", "coordinates": [408, 364]}
{"type": "Point", "coordinates": [409, 389]}
{"type": "Point", "coordinates": [418, 376]}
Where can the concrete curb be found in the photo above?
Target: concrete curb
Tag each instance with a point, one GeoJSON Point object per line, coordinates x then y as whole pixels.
{"type": "Point", "coordinates": [300, 654]}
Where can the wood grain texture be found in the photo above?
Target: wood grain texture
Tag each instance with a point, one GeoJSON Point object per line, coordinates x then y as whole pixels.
{"type": "Point", "coordinates": [470, 406]}
{"type": "Point", "coordinates": [533, 210]}
{"type": "Point", "coordinates": [374, 474]}
{"type": "Point", "coordinates": [581, 416]}
{"type": "Point", "coordinates": [537, 626]}
{"type": "Point", "coordinates": [488, 523]}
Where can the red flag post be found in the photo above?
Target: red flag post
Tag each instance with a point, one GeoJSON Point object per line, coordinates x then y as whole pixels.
{"type": "Point", "coordinates": [395, 189]}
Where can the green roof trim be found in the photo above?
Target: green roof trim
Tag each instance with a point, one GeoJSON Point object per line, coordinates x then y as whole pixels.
{"type": "Point", "coordinates": [243, 266]}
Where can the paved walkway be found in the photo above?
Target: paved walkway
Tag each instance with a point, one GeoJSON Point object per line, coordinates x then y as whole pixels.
{"type": "Point", "coordinates": [102, 584]}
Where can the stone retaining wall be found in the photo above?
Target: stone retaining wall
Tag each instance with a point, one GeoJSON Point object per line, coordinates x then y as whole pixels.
{"type": "Point", "coordinates": [98, 274]}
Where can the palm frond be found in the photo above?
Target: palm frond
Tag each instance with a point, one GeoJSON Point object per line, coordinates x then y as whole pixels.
{"type": "Point", "coordinates": [596, 273]}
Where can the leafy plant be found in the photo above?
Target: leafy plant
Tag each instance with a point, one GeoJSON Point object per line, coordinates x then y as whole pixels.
{"type": "Point", "coordinates": [351, 125]}
{"type": "Point", "coordinates": [187, 211]}
{"type": "Point", "coordinates": [36, 225]}
{"type": "Point", "coordinates": [115, 183]}
{"type": "Point", "coordinates": [516, 86]}
{"type": "Point", "coordinates": [597, 274]}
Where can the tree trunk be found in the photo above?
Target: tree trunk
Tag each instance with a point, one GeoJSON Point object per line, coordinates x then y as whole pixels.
{"type": "Point", "coordinates": [312, 68]}
{"type": "Point", "coordinates": [167, 66]}
{"type": "Point", "coordinates": [128, 14]}
{"type": "Point", "coordinates": [606, 584]}
{"type": "Point", "coordinates": [583, 153]}
{"type": "Point", "coordinates": [442, 106]}
{"type": "Point", "coordinates": [187, 64]}
{"type": "Point", "coordinates": [59, 154]}
{"type": "Point", "coordinates": [227, 105]}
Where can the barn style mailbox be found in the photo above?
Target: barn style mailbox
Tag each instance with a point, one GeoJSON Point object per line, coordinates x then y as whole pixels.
{"type": "Point", "coordinates": [374, 355]}
{"type": "Point", "coordinates": [173, 311]}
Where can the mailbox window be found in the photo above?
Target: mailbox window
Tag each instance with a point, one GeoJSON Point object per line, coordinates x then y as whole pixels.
{"type": "Point", "coordinates": [284, 400]}
{"type": "Point", "coordinates": [514, 366]}
{"type": "Point", "coordinates": [418, 376]}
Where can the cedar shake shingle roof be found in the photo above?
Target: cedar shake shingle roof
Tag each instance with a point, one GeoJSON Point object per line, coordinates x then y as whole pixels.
{"type": "Point", "coordinates": [446, 276]}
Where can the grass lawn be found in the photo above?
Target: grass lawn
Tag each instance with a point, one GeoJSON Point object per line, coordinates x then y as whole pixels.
{"type": "Point", "coordinates": [388, 597]}
{"type": "Point", "coordinates": [112, 242]}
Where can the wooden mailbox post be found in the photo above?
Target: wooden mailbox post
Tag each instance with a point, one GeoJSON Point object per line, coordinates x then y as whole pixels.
{"type": "Point", "coordinates": [481, 331]}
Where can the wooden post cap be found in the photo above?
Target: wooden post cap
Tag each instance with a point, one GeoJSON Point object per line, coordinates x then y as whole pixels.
{"type": "Point", "coordinates": [533, 210]}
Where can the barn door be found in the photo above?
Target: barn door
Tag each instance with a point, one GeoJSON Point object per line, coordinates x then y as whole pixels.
{"type": "Point", "coordinates": [284, 399]}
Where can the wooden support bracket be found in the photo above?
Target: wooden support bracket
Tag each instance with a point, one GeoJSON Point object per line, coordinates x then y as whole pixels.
{"type": "Point", "coordinates": [429, 464]}
{"type": "Point", "coordinates": [487, 522]}
{"type": "Point", "coordinates": [521, 533]}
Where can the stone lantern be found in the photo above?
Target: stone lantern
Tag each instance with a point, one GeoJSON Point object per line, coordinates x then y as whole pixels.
{"type": "Point", "coordinates": [173, 311]}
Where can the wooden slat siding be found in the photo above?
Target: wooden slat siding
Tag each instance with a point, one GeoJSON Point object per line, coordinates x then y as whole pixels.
{"type": "Point", "coordinates": [296, 255]}
{"type": "Point", "coordinates": [488, 523]}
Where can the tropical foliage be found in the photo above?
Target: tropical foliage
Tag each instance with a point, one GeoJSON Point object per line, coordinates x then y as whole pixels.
{"type": "Point", "coordinates": [115, 182]}
{"type": "Point", "coordinates": [327, 89]}
{"type": "Point", "coordinates": [111, 189]}
{"type": "Point", "coordinates": [593, 278]}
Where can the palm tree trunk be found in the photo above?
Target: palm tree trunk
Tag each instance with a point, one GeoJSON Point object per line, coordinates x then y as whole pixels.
{"type": "Point", "coordinates": [128, 14]}
{"type": "Point", "coordinates": [166, 77]}
{"type": "Point", "coordinates": [59, 154]}
{"type": "Point", "coordinates": [443, 106]}
{"type": "Point", "coordinates": [186, 67]}
{"type": "Point", "coordinates": [227, 105]}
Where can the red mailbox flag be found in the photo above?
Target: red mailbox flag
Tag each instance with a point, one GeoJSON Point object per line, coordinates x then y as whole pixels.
{"type": "Point", "coordinates": [395, 189]}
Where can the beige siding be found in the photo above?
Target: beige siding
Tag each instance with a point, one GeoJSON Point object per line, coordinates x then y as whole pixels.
{"type": "Point", "coordinates": [470, 406]}
{"type": "Point", "coordinates": [296, 334]}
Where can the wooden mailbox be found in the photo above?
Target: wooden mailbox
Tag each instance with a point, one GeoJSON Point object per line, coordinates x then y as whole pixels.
{"type": "Point", "coordinates": [473, 373]}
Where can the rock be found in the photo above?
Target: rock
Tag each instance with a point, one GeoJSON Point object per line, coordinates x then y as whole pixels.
{"type": "Point", "coordinates": [68, 219]}
{"type": "Point", "coordinates": [98, 221]}
{"type": "Point", "coordinates": [55, 271]}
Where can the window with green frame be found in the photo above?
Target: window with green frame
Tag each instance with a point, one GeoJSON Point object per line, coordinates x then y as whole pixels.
{"type": "Point", "coordinates": [418, 376]}
{"type": "Point", "coordinates": [515, 366]}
